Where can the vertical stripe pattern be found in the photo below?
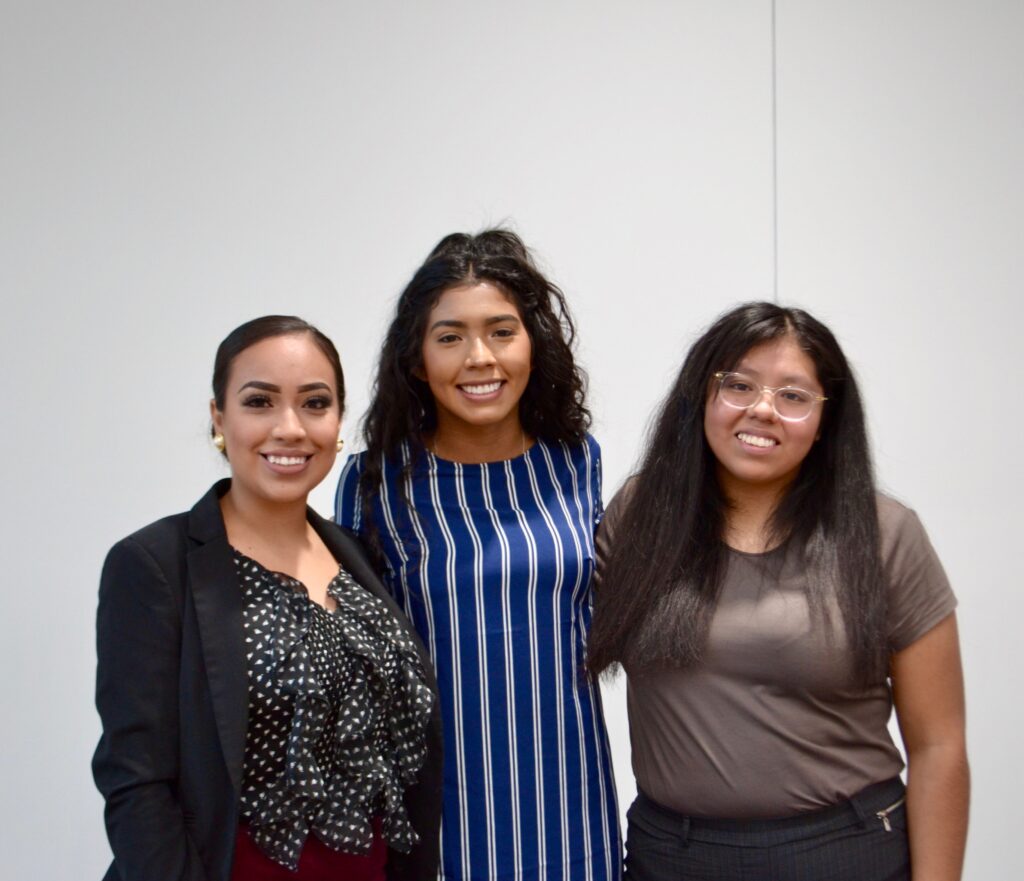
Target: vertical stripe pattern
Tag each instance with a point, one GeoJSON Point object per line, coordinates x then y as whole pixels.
{"type": "Point", "coordinates": [493, 564]}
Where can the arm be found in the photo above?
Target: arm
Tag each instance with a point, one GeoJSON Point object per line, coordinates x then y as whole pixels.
{"type": "Point", "coordinates": [928, 692]}
{"type": "Point", "coordinates": [138, 635]}
{"type": "Point", "coordinates": [347, 499]}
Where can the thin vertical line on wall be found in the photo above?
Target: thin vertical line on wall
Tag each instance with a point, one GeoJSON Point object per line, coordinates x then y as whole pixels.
{"type": "Point", "coordinates": [775, 170]}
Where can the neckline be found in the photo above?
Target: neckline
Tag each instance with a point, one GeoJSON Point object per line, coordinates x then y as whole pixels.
{"type": "Point", "coordinates": [758, 555]}
{"type": "Point", "coordinates": [440, 460]}
{"type": "Point", "coordinates": [289, 582]}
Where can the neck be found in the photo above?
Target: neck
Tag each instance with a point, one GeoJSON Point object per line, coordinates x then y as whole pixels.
{"type": "Point", "coordinates": [253, 523]}
{"type": "Point", "coordinates": [479, 443]}
{"type": "Point", "coordinates": [749, 514]}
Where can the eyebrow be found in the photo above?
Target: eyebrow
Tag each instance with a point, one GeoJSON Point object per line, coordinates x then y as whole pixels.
{"type": "Point", "coordinates": [270, 387]}
{"type": "Point", "coordinates": [494, 319]}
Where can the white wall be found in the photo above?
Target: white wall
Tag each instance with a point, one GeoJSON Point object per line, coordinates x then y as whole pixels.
{"type": "Point", "coordinates": [168, 171]}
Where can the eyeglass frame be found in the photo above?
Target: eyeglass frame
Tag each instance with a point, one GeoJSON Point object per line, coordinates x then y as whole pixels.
{"type": "Point", "coordinates": [815, 398]}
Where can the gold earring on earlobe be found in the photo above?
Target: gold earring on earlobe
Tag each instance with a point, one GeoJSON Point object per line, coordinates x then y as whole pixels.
{"type": "Point", "coordinates": [341, 443]}
{"type": "Point", "coordinates": [218, 442]}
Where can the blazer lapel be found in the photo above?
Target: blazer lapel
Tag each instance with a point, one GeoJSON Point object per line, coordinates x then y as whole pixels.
{"type": "Point", "coordinates": [218, 602]}
{"type": "Point", "coordinates": [349, 553]}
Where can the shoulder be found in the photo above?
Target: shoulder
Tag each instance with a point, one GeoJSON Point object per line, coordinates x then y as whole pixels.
{"type": "Point", "coordinates": [353, 469]}
{"type": "Point", "coordinates": [586, 451]}
{"type": "Point", "coordinates": [347, 493]}
{"type": "Point", "coordinates": [898, 525]}
{"type": "Point", "coordinates": [617, 506]}
{"type": "Point", "coordinates": [891, 512]}
{"type": "Point", "coordinates": [355, 462]}
{"type": "Point", "coordinates": [144, 575]}
{"type": "Point", "coordinates": [390, 465]}
{"type": "Point", "coordinates": [167, 541]}
{"type": "Point", "coordinates": [623, 495]}
{"type": "Point", "coordinates": [159, 542]}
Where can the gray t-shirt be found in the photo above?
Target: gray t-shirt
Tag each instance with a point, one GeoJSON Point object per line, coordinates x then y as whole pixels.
{"type": "Point", "coordinates": [770, 724]}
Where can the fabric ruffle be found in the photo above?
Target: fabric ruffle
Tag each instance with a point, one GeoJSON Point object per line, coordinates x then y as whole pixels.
{"type": "Point", "coordinates": [339, 775]}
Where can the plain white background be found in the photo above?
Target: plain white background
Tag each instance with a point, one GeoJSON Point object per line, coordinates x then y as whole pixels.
{"type": "Point", "coordinates": [170, 170]}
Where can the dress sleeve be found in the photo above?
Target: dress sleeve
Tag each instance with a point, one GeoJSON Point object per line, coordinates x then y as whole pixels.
{"type": "Point", "coordinates": [595, 480]}
{"type": "Point", "coordinates": [919, 592]}
{"type": "Point", "coordinates": [348, 510]}
{"type": "Point", "coordinates": [138, 640]}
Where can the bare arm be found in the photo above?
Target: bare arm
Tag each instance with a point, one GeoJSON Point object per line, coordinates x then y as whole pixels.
{"type": "Point", "coordinates": [928, 691]}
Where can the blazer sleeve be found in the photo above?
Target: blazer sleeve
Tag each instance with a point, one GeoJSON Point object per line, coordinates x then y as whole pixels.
{"type": "Point", "coordinates": [138, 640]}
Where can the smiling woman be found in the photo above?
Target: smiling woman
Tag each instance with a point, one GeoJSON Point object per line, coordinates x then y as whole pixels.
{"type": "Point", "coordinates": [479, 492]}
{"type": "Point", "coordinates": [250, 662]}
{"type": "Point", "coordinates": [770, 609]}
{"type": "Point", "coordinates": [477, 359]}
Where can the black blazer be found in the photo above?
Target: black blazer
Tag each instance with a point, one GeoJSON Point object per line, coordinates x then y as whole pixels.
{"type": "Point", "coordinates": [172, 693]}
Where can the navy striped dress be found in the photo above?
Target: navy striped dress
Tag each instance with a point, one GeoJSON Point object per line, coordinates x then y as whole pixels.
{"type": "Point", "coordinates": [493, 564]}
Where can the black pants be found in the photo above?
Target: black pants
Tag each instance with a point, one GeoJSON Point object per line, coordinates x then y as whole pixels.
{"type": "Point", "coordinates": [863, 839]}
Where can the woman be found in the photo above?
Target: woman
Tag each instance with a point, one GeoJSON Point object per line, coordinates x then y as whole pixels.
{"type": "Point", "coordinates": [759, 593]}
{"type": "Point", "coordinates": [480, 491]}
{"type": "Point", "coordinates": [268, 713]}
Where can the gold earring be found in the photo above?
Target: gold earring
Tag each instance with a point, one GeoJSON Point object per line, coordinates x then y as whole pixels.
{"type": "Point", "coordinates": [341, 443]}
{"type": "Point", "coordinates": [218, 442]}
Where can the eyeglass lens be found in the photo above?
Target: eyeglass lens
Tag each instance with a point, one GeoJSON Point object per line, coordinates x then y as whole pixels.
{"type": "Point", "coordinates": [790, 403]}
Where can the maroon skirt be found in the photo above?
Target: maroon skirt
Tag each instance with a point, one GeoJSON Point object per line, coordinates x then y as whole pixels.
{"type": "Point", "coordinates": [318, 862]}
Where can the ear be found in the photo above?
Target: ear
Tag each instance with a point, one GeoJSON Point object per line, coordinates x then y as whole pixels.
{"type": "Point", "coordinates": [216, 417]}
{"type": "Point", "coordinates": [419, 373]}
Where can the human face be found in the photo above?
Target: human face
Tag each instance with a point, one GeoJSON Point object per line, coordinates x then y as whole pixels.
{"type": "Point", "coordinates": [280, 420]}
{"type": "Point", "coordinates": [755, 449]}
{"type": "Point", "coordinates": [477, 358]}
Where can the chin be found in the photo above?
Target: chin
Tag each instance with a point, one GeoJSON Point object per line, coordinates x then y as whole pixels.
{"type": "Point", "coordinates": [286, 495]}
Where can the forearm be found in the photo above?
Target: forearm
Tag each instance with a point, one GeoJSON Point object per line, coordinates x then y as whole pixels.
{"type": "Point", "coordinates": [938, 790]}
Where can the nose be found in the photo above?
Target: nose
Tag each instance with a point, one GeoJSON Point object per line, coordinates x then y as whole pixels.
{"type": "Point", "coordinates": [764, 406]}
{"type": "Point", "coordinates": [288, 426]}
{"type": "Point", "coordinates": [480, 354]}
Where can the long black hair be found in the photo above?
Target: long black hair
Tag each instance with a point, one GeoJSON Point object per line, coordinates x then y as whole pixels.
{"type": "Point", "coordinates": [402, 409]}
{"type": "Point", "coordinates": [660, 582]}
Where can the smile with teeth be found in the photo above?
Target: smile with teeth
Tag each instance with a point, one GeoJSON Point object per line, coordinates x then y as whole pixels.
{"type": "Point", "coordinates": [756, 440]}
{"type": "Point", "coordinates": [286, 460]}
{"type": "Point", "coordinates": [483, 388]}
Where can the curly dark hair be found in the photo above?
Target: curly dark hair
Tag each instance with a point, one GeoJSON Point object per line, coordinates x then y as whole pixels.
{"type": "Point", "coordinates": [402, 408]}
{"type": "Point", "coordinates": [660, 582]}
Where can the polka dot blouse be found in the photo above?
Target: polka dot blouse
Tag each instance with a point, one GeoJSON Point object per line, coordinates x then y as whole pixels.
{"type": "Point", "coordinates": [338, 711]}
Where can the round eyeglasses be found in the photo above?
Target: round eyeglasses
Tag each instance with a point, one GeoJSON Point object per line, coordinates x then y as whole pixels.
{"type": "Point", "coordinates": [789, 403]}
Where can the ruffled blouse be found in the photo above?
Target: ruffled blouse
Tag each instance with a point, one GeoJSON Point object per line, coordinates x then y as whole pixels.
{"type": "Point", "coordinates": [338, 711]}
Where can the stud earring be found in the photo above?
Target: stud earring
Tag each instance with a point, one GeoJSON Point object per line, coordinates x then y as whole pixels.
{"type": "Point", "coordinates": [341, 443]}
{"type": "Point", "coordinates": [218, 442]}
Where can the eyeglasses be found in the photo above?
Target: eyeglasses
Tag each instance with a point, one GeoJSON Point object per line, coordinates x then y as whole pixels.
{"type": "Point", "coordinates": [789, 403]}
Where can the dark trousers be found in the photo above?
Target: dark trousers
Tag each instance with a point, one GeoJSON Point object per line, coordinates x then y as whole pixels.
{"type": "Point", "coordinates": [862, 839]}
